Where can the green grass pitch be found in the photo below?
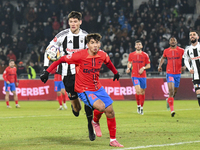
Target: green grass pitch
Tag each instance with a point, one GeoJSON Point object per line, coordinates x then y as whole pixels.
{"type": "Point", "coordinates": [38, 125]}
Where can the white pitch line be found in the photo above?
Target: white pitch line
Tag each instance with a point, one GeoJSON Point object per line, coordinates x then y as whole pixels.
{"type": "Point", "coordinates": [162, 145]}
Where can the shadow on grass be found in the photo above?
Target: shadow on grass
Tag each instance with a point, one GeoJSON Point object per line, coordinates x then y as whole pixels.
{"type": "Point", "coordinates": [73, 141]}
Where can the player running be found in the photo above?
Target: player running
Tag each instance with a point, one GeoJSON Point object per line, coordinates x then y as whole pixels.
{"type": "Point", "coordinates": [87, 83]}
{"type": "Point", "coordinates": [10, 79]}
{"type": "Point", "coordinates": [70, 41]}
{"type": "Point", "coordinates": [192, 54]}
{"type": "Point", "coordinates": [139, 61]}
{"type": "Point", "coordinates": [174, 56]}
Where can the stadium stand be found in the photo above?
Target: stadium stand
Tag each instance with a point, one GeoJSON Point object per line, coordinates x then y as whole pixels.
{"type": "Point", "coordinates": [26, 27]}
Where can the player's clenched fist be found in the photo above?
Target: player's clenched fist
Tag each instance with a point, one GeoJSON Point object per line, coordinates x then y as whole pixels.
{"type": "Point", "coordinates": [116, 76]}
{"type": "Point", "coordinates": [44, 76]}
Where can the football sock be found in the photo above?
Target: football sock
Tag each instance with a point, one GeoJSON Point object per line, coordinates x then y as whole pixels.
{"type": "Point", "coordinates": [60, 100]}
{"type": "Point", "coordinates": [97, 115]}
{"type": "Point", "coordinates": [7, 103]}
{"type": "Point", "coordinates": [199, 101]}
{"type": "Point", "coordinates": [137, 99]}
{"type": "Point", "coordinates": [112, 127]}
{"type": "Point", "coordinates": [89, 114]}
{"type": "Point", "coordinates": [171, 103]}
{"type": "Point", "coordinates": [142, 97]}
{"type": "Point", "coordinates": [63, 97]}
{"type": "Point", "coordinates": [16, 102]}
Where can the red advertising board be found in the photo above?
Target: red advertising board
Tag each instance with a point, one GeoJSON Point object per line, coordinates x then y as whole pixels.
{"type": "Point", "coordinates": [119, 90]}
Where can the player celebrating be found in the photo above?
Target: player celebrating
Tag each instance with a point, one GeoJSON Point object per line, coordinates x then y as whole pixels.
{"type": "Point", "coordinates": [192, 54]}
{"type": "Point", "coordinates": [70, 41]}
{"type": "Point", "coordinates": [87, 83]}
{"type": "Point", "coordinates": [10, 79]}
{"type": "Point", "coordinates": [140, 62]}
{"type": "Point", "coordinates": [174, 56]}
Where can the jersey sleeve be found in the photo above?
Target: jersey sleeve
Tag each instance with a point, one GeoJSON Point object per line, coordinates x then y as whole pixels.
{"type": "Point", "coordinates": [4, 75]}
{"type": "Point", "coordinates": [129, 58]}
{"type": "Point", "coordinates": [186, 59]}
{"type": "Point", "coordinates": [147, 60]}
{"type": "Point", "coordinates": [164, 53]}
{"type": "Point", "coordinates": [74, 58]}
{"type": "Point", "coordinates": [109, 64]}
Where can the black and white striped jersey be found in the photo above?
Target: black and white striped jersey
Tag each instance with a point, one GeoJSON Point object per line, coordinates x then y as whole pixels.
{"type": "Point", "coordinates": [69, 43]}
{"type": "Point", "coordinates": [192, 54]}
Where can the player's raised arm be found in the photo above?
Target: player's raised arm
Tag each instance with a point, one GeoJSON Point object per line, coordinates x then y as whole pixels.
{"type": "Point", "coordinates": [70, 59]}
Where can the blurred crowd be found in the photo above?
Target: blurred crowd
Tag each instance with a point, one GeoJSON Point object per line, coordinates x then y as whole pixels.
{"type": "Point", "coordinates": [38, 21]}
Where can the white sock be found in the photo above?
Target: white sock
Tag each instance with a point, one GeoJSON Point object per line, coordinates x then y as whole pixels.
{"type": "Point", "coordinates": [141, 107]}
{"type": "Point", "coordinates": [112, 140]}
{"type": "Point", "coordinates": [60, 106]}
{"type": "Point", "coordinates": [138, 105]}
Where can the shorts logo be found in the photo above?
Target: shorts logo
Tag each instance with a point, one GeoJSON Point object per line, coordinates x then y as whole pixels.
{"type": "Point", "coordinates": [93, 96]}
{"type": "Point", "coordinates": [55, 39]}
{"type": "Point", "coordinates": [136, 81]}
{"type": "Point", "coordinates": [171, 79]}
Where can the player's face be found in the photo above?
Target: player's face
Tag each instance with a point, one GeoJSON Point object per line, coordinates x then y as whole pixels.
{"type": "Point", "coordinates": [138, 46]}
{"type": "Point", "coordinates": [11, 64]}
{"type": "Point", "coordinates": [93, 46]}
{"type": "Point", "coordinates": [193, 37]}
{"type": "Point", "coordinates": [74, 24]}
{"type": "Point", "coordinates": [173, 42]}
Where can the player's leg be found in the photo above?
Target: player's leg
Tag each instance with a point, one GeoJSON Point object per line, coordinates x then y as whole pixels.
{"type": "Point", "coordinates": [69, 82]}
{"type": "Point", "coordinates": [15, 99]}
{"type": "Point", "coordinates": [7, 99]}
{"type": "Point", "coordinates": [95, 121]}
{"type": "Point", "coordinates": [13, 90]}
{"type": "Point", "coordinates": [89, 115]}
{"type": "Point", "coordinates": [7, 89]}
{"type": "Point", "coordinates": [111, 122]}
{"type": "Point", "coordinates": [171, 98]}
{"type": "Point", "coordinates": [197, 89]}
{"type": "Point", "coordinates": [57, 89]}
{"type": "Point", "coordinates": [177, 78]}
{"type": "Point", "coordinates": [63, 96]}
{"type": "Point", "coordinates": [143, 86]}
{"type": "Point", "coordinates": [59, 95]}
{"type": "Point", "coordinates": [198, 96]}
{"type": "Point", "coordinates": [137, 95]}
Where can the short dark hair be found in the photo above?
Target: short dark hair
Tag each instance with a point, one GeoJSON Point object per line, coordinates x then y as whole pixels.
{"type": "Point", "coordinates": [138, 41]}
{"type": "Point", "coordinates": [11, 60]}
{"type": "Point", "coordinates": [194, 31]}
{"type": "Point", "coordinates": [95, 36]}
{"type": "Point", "coordinates": [75, 14]}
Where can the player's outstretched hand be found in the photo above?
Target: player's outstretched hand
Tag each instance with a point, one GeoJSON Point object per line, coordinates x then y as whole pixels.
{"type": "Point", "coordinates": [44, 76]}
{"type": "Point", "coordinates": [116, 76]}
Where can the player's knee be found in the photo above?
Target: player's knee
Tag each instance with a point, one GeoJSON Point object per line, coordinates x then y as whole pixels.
{"type": "Point", "coordinates": [101, 107]}
{"type": "Point", "coordinates": [198, 91]}
{"type": "Point", "coordinates": [58, 93]}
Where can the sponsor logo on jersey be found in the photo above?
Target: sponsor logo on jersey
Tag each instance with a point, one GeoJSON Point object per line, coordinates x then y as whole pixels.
{"type": "Point", "coordinates": [195, 58]}
{"type": "Point", "coordinates": [73, 50]}
{"type": "Point", "coordinates": [91, 70]}
{"type": "Point", "coordinates": [137, 61]}
{"type": "Point", "coordinates": [173, 58]}
{"type": "Point", "coordinates": [55, 39]}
